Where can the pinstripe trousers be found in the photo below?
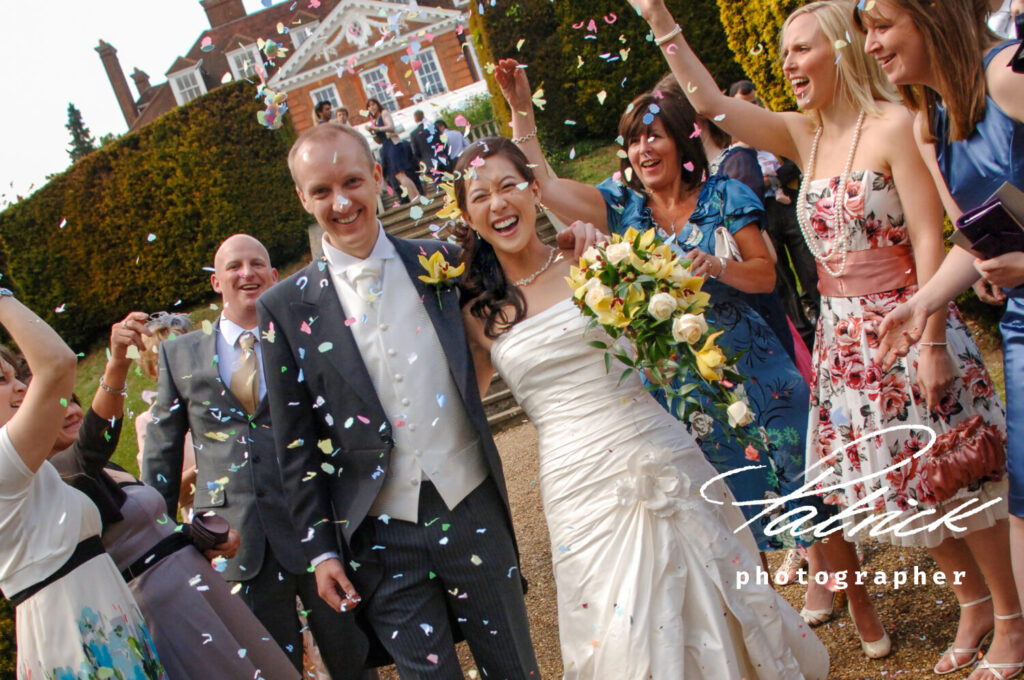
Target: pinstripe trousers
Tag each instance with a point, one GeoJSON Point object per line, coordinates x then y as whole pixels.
{"type": "Point", "coordinates": [451, 566]}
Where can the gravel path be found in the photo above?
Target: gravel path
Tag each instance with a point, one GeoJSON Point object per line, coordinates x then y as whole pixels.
{"type": "Point", "coordinates": [920, 619]}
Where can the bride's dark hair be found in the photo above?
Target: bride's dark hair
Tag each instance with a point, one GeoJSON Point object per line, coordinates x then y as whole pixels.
{"type": "Point", "coordinates": [491, 296]}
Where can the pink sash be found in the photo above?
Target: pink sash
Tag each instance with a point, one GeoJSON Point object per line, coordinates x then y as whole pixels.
{"type": "Point", "coordinates": [873, 270]}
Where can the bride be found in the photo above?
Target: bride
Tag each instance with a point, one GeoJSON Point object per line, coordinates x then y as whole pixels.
{"type": "Point", "coordinates": [646, 568]}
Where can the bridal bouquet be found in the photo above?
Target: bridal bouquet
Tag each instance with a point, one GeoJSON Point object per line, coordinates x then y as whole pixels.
{"type": "Point", "coordinates": [636, 287]}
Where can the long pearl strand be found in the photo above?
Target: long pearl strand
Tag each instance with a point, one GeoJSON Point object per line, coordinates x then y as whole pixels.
{"type": "Point", "coordinates": [841, 243]}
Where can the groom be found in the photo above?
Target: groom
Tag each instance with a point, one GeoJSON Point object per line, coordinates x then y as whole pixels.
{"type": "Point", "coordinates": [386, 456]}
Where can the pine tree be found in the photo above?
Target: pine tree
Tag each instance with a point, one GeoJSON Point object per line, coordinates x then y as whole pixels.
{"type": "Point", "coordinates": [82, 142]}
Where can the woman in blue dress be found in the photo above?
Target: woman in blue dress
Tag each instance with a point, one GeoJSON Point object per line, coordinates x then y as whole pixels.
{"type": "Point", "coordinates": [970, 131]}
{"type": "Point", "coordinates": [662, 185]}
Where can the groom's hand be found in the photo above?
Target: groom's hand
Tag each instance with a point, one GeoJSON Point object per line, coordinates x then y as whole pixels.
{"type": "Point", "coordinates": [334, 587]}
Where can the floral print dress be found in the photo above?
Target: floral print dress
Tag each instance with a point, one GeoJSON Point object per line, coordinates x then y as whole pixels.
{"type": "Point", "coordinates": [852, 396]}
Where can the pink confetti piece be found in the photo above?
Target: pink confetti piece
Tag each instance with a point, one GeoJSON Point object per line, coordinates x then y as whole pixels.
{"type": "Point", "coordinates": [689, 166]}
{"type": "Point", "coordinates": [363, 419]}
{"type": "Point", "coordinates": [612, 20]}
{"type": "Point", "coordinates": [477, 162]}
{"type": "Point", "coordinates": [696, 131]}
{"type": "Point", "coordinates": [432, 658]}
{"type": "Point", "coordinates": [592, 26]}
{"type": "Point", "coordinates": [461, 121]}
{"type": "Point", "coordinates": [305, 328]}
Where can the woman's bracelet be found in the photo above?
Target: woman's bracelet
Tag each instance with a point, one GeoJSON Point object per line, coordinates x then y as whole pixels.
{"type": "Point", "coordinates": [123, 392]}
{"type": "Point", "coordinates": [722, 261]}
{"type": "Point", "coordinates": [934, 344]}
{"type": "Point", "coordinates": [668, 36]}
{"type": "Point", "coordinates": [528, 135]}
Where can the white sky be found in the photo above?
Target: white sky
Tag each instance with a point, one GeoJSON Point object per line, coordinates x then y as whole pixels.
{"type": "Point", "coordinates": [51, 60]}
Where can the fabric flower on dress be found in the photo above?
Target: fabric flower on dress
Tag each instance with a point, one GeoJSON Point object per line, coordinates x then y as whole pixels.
{"type": "Point", "coordinates": [655, 482]}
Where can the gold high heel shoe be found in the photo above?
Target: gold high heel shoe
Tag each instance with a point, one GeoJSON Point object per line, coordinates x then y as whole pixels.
{"type": "Point", "coordinates": [955, 652]}
{"type": "Point", "coordinates": [876, 649]}
{"type": "Point", "coordinates": [1017, 667]}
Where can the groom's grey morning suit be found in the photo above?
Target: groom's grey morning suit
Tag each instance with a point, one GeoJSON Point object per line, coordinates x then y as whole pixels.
{"type": "Point", "coordinates": [238, 478]}
{"type": "Point", "coordinates": [387, 457]}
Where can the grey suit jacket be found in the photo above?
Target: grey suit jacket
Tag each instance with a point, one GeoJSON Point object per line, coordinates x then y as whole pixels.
{"type": "Point", "coordinates": [318, 395]}
{"type": "Point", "coordinates": [237, 473]}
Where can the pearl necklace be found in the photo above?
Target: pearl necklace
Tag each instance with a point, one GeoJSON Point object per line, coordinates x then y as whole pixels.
{"type": "Point", "coordinates": [529, 279]}
{"type": "Point", "coordinates": [841, 244]}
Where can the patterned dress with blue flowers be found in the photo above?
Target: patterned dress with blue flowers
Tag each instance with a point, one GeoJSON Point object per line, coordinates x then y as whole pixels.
{"type": "Point", "coordinates": [777, 393]}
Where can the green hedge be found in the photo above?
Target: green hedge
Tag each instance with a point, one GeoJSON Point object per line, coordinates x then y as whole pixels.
{"type": "Point", "coordinates": [144, 215]}
{"type": "Point", "coordinates": [553, 48]}
{"type": "Point", "coordinates": [753, 28]}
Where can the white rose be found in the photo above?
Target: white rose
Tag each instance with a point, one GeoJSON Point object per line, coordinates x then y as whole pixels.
{"type": "Point", "coordinates": [689, 328]}
{"type": "Point", "coordinates": [617, 252]}
{"type": "Point", "coordinates": [597, 294]}
{"type": "Point", "coordinates": [591, 254]}
{"type": "Point", "coordinates": [740, 414]}
{"type": "Point", "coordinates": [661, 306]}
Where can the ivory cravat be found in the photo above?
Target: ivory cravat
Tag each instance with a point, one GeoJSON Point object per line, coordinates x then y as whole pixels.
{"type": "Point", "coordinates": [245, 381]}
{"type": "Point", "coordinates": [365, 278]}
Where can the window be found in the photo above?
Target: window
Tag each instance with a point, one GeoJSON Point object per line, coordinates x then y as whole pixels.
{"type": "Point", "coordinates": [326, 94]}
{"type": "Point", "coordinates": [188, 86]}
{"type": "Point", "coordinates": [429, 75]}
{"type": "Point", "coordinates": [243, 62]}
{"type": "Point", "coordinates": [375, 82]}
{"type": "Point", "coordinates": [460, 3]}
{"type": "Point", "coordinates": [300, 33]}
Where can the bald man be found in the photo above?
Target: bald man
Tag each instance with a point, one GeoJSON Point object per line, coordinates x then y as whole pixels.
{"type": "Point", "coordinates": [212, 383]}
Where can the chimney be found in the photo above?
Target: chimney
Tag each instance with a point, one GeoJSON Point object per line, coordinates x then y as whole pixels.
{"type": "Point", "coordinates": [220, 12]}
{"type": "Point", "coordinates": [117, 80]}
{"type": "Point", "coordinates": [141, 81]}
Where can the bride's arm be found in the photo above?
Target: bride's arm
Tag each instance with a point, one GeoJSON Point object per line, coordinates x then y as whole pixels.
{"type": "Point", "coordinates": [479, 349]}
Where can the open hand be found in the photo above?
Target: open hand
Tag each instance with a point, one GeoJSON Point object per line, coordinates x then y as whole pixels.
{"type": "Point", "coordinates": [580, 236]}
{"type": "Point", "coordinates": [334, 587]}
{"type": "Point", "coordinates": [901, 328]}
{"type": "Point", "coordinates": [514, 84]}
{"type": "Point", "coordinates": [647, 7]}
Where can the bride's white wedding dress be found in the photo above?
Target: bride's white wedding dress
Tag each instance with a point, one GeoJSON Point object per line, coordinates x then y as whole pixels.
{"type": "Point", "coordinates": [646, 570]}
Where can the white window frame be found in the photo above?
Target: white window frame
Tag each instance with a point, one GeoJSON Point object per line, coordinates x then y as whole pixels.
{"type": "Point", "coordinates": [437, 68]}
{"type": "Point", "coordinates": [305, 30]}
{"type": "Point", "coordinates": [387, 100]}
{"type": "Point", "coordinates": [181, 94]}
{"type": "Point", "coordinates": [332, 96]}
{"type": "Point", "coordinates": [249, 51]}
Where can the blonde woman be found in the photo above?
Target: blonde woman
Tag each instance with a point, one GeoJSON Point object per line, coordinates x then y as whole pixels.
{"type": "Point", "coordinates": [872, 218]}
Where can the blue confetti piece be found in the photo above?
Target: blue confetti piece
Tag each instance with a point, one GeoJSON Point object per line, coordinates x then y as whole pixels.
{"type": "Point", "coordinates": [440, 400]}
{"type": "Point", "coordinates": [648, 119]}
{"type": "Point", "coordinates": [654, 108]}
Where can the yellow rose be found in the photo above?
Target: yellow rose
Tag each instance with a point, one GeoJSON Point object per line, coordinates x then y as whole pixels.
{"type": "Point", "coordinates": [740, 414]}
{"type": "Point", "coordinates": [711, 359]}
{"type": "Point", "coordinates": [661, 306]}
{"type": "Point", "coordinates": [689, 328]}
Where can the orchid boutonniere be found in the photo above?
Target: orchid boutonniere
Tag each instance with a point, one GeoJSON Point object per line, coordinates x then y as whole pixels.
{"type": "Point", "coordinates": [441, 275]}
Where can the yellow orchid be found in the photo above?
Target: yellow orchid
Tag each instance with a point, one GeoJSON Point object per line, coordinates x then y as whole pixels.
{"type": "Point", "coordinates": [577, 280]}
{"type": "Point", "coordinates": [711, 359]}
{"type": "Point", "coordinates": [451, 206]}
{"type": "Point", "coordinates": [439, 272]}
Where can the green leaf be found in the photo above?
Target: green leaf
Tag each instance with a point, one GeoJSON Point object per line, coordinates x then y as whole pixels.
{"type": "Point", "coordinates": [625, 374]}
{"type": "Point", "coordinates": [598, 344]}
{"type": "Point", "coordinates": [607, 363]}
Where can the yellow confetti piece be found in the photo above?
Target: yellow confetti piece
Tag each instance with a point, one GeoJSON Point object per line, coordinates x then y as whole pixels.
{"type": "Point", "coordinates": [624, 54]}
{"type": "Point", "coordinates": [217, 436]}
{"type": "Point", "coordinates": [621, 154]}
{"type": "Point", "coordinates": [579, 62]}
{"type": "Point", "coordinates": [628, 173]}
{"type": "Point", "coordinates": [690, 87]}
{"type": "Point", "coordinates": [538, 99]}
{"type": "Point", "coordinates": [325, 445]}
{"type": "Point", "coordinates": [840, 44]}
{"type": "Point", "coordinates": [475, 559]}
{"type": "Point", "coordinates": [869, 6]}
{"type": "Point", "coordinates": [207, 327]}
{"type": "Point", "coordinates": [226, 78]}
{"type": "Point", "coordinates": [296, 444]}
{"type": "Point", "coordinates": [519, 44]}
{"type": "Point", "coordinates": [601, 96]}
{"type": "Point", "coordinates": [757, 49]}
{"type": "Point", "coordinates": [132, 352]}
{"type": "Point", "coordinates": [235, 589]}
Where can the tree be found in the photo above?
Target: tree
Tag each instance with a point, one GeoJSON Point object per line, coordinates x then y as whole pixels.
{"type": "Point", "coordinates": [591, 57]}
{"type": "Point", "coordinates": [82, 142]}
{"type": "Point", "coordinates": [753, 28]}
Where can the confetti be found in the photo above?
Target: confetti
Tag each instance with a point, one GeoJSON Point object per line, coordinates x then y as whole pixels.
{"type": "Point", "coordinates": [601, 96]}
{"type": "Point", "coordinates": [519, 44]}
{"type": "Point", "coordinates": [325, 346]}
{"type": "Point", "coordinates": [757, 49]}
{"type": "Point", "coordinates": [538, 99]}
{"type": "Point", "coordinates": [719, 118]}
{"type": "Point", "coordinates": [475, 559]}
{"type": "Point", "coordinates": [63, 223]}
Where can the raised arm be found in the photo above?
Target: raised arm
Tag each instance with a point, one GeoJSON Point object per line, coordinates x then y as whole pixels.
{"type": "Point", "coordinates": [781, 133]}
{"type": "Point", "coordinates": [33, 428]}
{"type": "Point", "coordinates": [568, 199]}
